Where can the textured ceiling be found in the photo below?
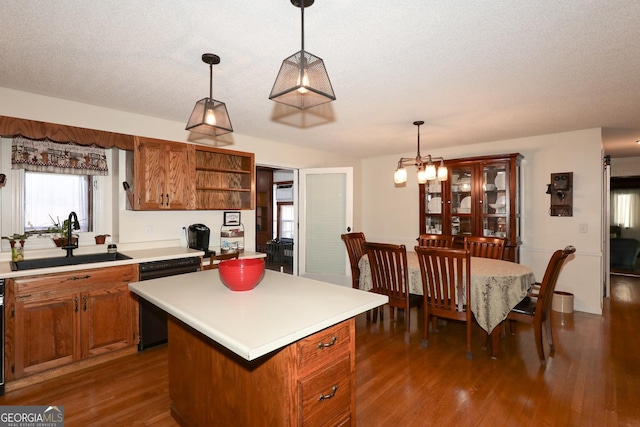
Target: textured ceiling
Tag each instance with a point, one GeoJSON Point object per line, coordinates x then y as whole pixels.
{"type": "Point", "coordinates": [473, 71]}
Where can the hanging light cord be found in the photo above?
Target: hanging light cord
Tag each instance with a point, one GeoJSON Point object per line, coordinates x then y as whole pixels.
{"type": "Point", "coordinates": [302, 15]}
{"type": "Point", "coordinates": [211, 80]}
{"type": "Point", "coordinates": [418, 157]}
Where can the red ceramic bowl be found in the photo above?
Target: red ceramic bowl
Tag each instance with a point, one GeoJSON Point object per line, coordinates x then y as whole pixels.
{"type": "Point", "coordinates": [241, 274]}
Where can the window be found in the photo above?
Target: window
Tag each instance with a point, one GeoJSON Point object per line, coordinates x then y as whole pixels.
{"type": "Point", "coordinates": [625, 208]}
{"type": "Point", "coordinates": [286, 220]}
{"type": "Point", "coordinates": [56, 195]}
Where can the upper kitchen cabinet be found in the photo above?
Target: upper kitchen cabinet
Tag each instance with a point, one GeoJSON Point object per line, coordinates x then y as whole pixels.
{"type": "Point", "coordinates": [164, 175]}
{"type": "Point", "coordinates": [481, 198]}
{"type": "Point", "coordinates": [224, 179]}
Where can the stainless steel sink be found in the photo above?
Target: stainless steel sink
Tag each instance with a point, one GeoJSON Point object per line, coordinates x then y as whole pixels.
{"type": "Point", "coordinates": [61, 261]}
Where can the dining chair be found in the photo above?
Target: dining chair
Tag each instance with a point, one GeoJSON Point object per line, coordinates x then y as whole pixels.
{"type": "Point", "coordinates": [435, 240]}
{"type": "Point", "coordinates": [535, 308]}
{"type": "Point", "coordinates": [390, 276]}
{"type": "Point", "coordinates": [355, 250]}
{"type": "Point", "coordinates": [446, 288]}
{"type": "Point", "coordinates": [485, 247]}
{"type": "Point", "coordinates": [219, 257]}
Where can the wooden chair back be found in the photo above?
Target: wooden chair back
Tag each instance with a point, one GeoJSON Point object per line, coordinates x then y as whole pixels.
{"type": "Point", "coordinates": [535, 309]}
{"type": "Point", "coordinates": [390, 276]}
{"type": "Point", "coordinates": [355, 250]}
{"type": "Point", "coordinates": [446, 287]}
{"type": "Point", "coordinates": [485, 247]}
{"type": "Point", "coordinates": [435, 240]}
{"type": "Point", "coordinates": [549, 280]}
{"type": "Point", "coordinates": [219, 257]}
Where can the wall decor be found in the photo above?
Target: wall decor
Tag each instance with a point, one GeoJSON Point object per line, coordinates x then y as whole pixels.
{"type": "Point", "coordinates": [231, 218]}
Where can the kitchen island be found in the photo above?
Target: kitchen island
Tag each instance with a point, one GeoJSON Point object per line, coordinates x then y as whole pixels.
{"type": "Point", "coordinates": [281, 354]}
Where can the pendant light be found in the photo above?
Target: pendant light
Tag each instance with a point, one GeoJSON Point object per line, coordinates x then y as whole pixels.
{"type": "Point", "coordinates": [427, 171]}
{"type": "Point", "coordinates": [210, 117]}
{"type": "Point", "coordinates": [302, 81]}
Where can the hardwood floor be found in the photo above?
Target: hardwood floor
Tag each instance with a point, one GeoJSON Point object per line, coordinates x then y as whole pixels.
{"type": "Point", "coordinates": [593, 378]}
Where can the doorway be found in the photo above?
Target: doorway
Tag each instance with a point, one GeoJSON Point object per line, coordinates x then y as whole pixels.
{"type": "Point", "coordinates": [625, 225]}
{"type": "Point", "coordinates": [275, 217]}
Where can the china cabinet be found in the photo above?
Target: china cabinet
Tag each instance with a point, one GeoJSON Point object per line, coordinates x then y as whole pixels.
{"type": "Point", "coordinates": [480, 198]}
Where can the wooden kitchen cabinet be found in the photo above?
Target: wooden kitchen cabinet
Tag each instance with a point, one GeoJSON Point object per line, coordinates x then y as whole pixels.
{"type": "Point", "coordinates": [56, 319]}
{"type": "Point", "coordinates": [310, 382]}
{"type": "Point", "coordinates": [178, 176]}
{"type": "Point", "coordinates": [224, 179]}
{"type": "Point", "coordinates": [163, 175]}
{"type": "Point", "coordinates": [480, 198]}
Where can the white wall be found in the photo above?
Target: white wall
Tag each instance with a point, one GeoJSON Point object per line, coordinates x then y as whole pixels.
{"type": "Point", "coordinates": [383, 212]}
{"type": "Point", "coordinates": [390, 214]}
{"type": "Point", "coordinates": [131, 226]}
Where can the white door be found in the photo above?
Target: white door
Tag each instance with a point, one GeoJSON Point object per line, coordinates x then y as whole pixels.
{"type": "Point", "coordinates": [606, 234]}
{"type": "Point", "coordinates": [325, 212]}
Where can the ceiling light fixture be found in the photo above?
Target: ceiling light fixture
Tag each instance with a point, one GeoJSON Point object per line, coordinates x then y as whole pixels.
{"type": "Point", "coordinates": [210, 117]}
{"type": "Point", "coordinates": [302, 81]}
{"type": "Point", "coordinates": [426, 169]}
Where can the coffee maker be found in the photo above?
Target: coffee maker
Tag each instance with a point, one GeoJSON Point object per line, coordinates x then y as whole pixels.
{"type": "Point", "coordinates": [199, 238]}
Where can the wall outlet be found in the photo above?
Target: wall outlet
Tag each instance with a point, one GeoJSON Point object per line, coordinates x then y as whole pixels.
{"type": "Point", "coordinates": [583, 228]}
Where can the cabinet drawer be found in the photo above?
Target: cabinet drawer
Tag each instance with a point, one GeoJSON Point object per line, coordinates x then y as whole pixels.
{"type": "Point", "coordinates": [324, 347]}
{"type": "Point", "coordinates": [90, 278]}
{"type": "Point", "coordinates": [324, 398]}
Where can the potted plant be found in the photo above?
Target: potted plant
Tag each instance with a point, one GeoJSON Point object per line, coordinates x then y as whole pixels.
{"type": "Point", "coordinates": [60, 232]}
{"type": "Point", "coordinates": [17, 252]}
{"type": "Point", "coordinates": [100, 238]}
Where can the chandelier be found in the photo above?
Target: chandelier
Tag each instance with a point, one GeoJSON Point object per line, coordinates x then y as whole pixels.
{"type": "Point", "coordinates": [427, 171]}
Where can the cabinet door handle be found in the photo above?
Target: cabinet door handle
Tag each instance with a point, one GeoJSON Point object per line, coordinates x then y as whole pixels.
{"type": "Point", "coordinates": [84, 303]}
{"type": "Point", "coordinates": [328, 396]}
{"type": "Point", "coordinates": [167, 199]}
{"type": "Point", "coordinates": [79, 277]}
{"type": "Point", "coordinates": [76, 301]}
{"type": "Point", "coordinates": [322, 345]}
{"type": "Point", "coordinates": [161, 199]}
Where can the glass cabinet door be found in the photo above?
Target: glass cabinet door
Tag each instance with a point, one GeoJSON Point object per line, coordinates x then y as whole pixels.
{"type": "Point", "coordinates": [480, 198]}
{"type": "Point", "coordinates": [495, 200]}
{"type": "Point", "coordinates": [461, 201]}
{"type": "Point", "coordinates": [434, 207]}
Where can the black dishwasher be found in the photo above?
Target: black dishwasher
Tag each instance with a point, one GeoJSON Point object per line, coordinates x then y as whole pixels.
{"type": "Point", "coordinates": [153, 320]}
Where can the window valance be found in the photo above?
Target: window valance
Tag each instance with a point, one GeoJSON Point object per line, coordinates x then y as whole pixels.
{"type": "Point", "coordinates": [11, 127]}
{"type": "Point", "coordinates": [53, 157]}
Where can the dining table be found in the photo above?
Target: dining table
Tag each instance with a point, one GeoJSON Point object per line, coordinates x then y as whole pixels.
{"type": "Point", "coordinates": [497, 286]}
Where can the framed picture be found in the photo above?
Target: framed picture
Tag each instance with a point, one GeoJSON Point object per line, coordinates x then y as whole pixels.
{"type": "Point", "coordinates": [231, 218]}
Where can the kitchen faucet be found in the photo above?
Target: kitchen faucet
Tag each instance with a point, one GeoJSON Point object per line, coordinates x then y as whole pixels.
{"type": "Point", "coordinates": [72, 221]}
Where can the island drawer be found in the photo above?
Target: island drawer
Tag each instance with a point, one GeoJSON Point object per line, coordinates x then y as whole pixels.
{"type": "Point", "coordinates": [324, 398]}
{"type": "Point", "coordinates": [324, 347]}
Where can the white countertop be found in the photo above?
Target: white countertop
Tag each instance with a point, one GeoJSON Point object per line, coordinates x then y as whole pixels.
{"type": "Point", "coordinates": [281, 310]}
{"type": "Point", "coordinates": [137, 256]}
